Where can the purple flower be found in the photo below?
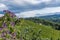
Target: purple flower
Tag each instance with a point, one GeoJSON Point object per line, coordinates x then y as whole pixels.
{"type": "Point", "coordinates": [6, 11]}
{"type": "Point", "coordinates": [4, 25]}
{"type": "Point", "coordinates": [1, 28]}
{"type": "Point", "coordinates": [12, 23]}
{"type": "Point", "coordinates": [3, 34]}
{"type": "Point", "coordinates": [13, 35]}
{"type": "Point", "coordinates": [8, 32]}
{"type": "Point", "coordinates": [10, 13]}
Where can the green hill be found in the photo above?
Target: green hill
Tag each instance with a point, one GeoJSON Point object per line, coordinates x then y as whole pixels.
{"type": "Point", "coordinates": [28, 30]}
{"type": "Point", "coordinates": [12, 28]}
{"type": "Point", "coordinates": [37, 32]}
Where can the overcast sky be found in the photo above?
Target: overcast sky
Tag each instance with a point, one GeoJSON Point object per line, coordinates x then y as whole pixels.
{"type": "Point", "coordinates": [30, 8]}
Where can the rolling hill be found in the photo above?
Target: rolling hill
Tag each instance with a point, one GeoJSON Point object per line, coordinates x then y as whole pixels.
{"type": "Point", "coordinates": [12, 28]}
{"type": "Point", "coordinates": [55, 17]}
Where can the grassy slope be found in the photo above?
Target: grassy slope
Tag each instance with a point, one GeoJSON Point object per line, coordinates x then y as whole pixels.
{"type": "Point", "coordinates": [45, 31]}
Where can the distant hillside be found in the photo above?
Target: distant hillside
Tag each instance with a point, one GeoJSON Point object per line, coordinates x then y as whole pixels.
{"type": "Point", "coordinates": [54, 25]}
{"type": "Point", "coordinates": [54, 18]}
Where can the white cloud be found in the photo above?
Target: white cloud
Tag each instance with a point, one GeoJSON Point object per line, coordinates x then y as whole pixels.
{"type": "Point", "coordinates": [42, 12]}
{"type": "Point", "coordinates": [26, 14]}
{"type": "Point", "coordinates": [23, 2]}
{"type": "Point", "coordinates": [37, 1]}
{"type": "Point", "coordinates": [3, 7]}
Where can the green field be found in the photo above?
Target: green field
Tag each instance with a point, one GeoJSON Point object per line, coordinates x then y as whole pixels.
{"type": "Point", "coordinates": [33, 31]}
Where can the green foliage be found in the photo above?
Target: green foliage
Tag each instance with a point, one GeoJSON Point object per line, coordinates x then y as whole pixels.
{"type": "Point", "coordinates": [32, 31]}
